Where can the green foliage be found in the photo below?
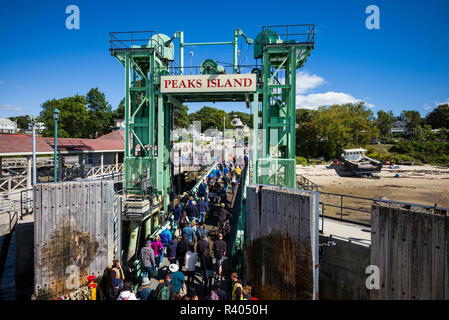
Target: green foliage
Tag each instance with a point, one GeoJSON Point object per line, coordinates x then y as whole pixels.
{"type": "Point", "coordinates": [73, 118]}
{"type": "Point", "coordinates": [414, 118]}
{"type": "Point", "coordinates": [22, 122]}
{"type": "Point", "coordinates": [211, 118]}
{"type": "Point", "coordinates": [119, 113]}
{"type": "Point", "coordinates": [385, 122]}
{"type": "Point", "coordinates": [422, 133]}
{"type": "Point", "coordinates": [181, 117]}
{"type": "Point", "coordinates": [80, 116]}
{"type": "Point", "coordinates": [380, 156]}
{"type": "Point", "coordinates": [328, 130]}
{"type": "Point", "coordinates": [101, 120]}
{"type": "Point", "coordinates": [302, 161]}
{"type": "Point", "coordinates": [439, 117]}
{"type": "Point", "coordinates": [425, 151]}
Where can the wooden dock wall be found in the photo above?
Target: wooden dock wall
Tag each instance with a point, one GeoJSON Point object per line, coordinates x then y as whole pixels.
{"type": "Point", "coordinates": [282, 242]}
{"type": "Point", "coordinates": [410, 245]}
{"type": "Point", "coordinates": [73, 235]}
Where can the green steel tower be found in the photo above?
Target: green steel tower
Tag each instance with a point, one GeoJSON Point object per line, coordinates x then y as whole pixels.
{"type": "Point", "coordinates": [145, 57]}
{"type": "Point", "coordinates": [283, 50]}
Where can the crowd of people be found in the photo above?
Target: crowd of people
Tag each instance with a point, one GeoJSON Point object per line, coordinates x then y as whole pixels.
{"type": "Point", "coordinates": [186, 244]}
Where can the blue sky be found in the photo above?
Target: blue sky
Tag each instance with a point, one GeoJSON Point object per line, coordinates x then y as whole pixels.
{"type": "Point", "coordinates": [402, 66]}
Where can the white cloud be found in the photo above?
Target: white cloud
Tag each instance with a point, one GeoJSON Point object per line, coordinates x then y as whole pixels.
{"type": "Point", "coordinates": [306, 81]}
{"type": "Point", "coordinates": [428, 106]}
{"type": "Point", "coordinates": [315, 100]}
{"type": "Point", "coordinates": [438, 103]}
{"type": "Point", "coordinates": [8, 107]}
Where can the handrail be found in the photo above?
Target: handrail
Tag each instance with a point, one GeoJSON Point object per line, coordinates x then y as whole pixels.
{"type": "Point", "coordinates": [238, 245]}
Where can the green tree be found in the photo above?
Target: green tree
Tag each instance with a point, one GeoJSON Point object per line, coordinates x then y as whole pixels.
{"type": "Point", "coordinates": [360, 120]}
{"type": "Point", "coordinates": [181, 117]}
{"type": "Point", "coordinates": [439, 117]}
{"type": "Point", "coordinates": [22, 122]}
{"type": "Point", "coordinates": [101, 117]}
{"type": "Point", "coordinates": [413, 117]}
{"type": "Point", "coordinates": [73, 118]}
{"type": "Point", "coordinates": [211, 118]}
{"type": "Point", "coordinates": [119, 113]}
{"type": "Point", "coordinates": [328, 130]}
{"type": "Point", "coordinates": [422, 133]}
{"type": "Point", "coordinates": [385, 122]}
{"type": "Point", "coordinates": [304, 115]}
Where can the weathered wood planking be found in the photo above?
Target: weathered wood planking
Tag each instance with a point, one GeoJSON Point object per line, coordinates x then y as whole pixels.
{"type": "Point", "coordinates": [281, 239]}
{"type": "Point", "coordinates": [409, 245]}
{"type": "Point", "coordinates": [446, 259]}
{"type": "Point", "coordinates": [74, 225]}
{"type": "Point", "coordinates": [375, 240]}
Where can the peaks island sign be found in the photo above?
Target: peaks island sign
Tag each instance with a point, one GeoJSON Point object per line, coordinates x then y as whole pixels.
{"type": "Point", "coordinates": [209, 83]}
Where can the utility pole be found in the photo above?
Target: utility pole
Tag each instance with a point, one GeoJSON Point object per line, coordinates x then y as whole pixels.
{"type": "Point", "coordinates": [192, 147]}
{"type": "Point", "coordinates": [33, 124]}
{"type": "Point", "coordinates": [224, 127]}
{"type": "Point", "coordinates": [56, 118]}
{"type": "Point", "coordinates": [34, 152]}
{"type": "Point", "coordinates": [179, 165]}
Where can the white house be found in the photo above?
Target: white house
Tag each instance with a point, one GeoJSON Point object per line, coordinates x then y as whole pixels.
{"type": "Point", "coordinates": [7, 126]}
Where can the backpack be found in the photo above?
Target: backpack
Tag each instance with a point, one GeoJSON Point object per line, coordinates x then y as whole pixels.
{"type": "Point", "coordinates": [164, 294]}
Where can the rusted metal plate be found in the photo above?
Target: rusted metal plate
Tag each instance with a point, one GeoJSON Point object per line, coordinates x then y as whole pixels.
{"type": "Point", "coordinates": [71, 235]}
{"type": "Point", "coordinates": [281, 244]}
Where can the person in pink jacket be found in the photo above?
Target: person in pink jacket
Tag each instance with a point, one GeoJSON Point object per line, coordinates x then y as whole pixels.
{"type": "Point", "coordinates": [157, 247]}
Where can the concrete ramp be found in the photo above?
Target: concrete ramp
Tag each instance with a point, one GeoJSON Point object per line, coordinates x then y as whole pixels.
{"type": "Point", "coordinates": [282, 242]}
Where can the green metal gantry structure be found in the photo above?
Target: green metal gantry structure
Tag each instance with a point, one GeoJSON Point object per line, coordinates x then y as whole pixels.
{"type": "Point", "coordinates": [146, 56]}
{"type": "Point", "coordinates": [281, 56]}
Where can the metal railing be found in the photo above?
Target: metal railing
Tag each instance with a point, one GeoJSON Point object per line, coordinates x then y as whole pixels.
{"type": "Point", "coordinates": [228, 69]}
{"type": "Point", "coordinates": [136, 41]}
{"type": "Point", "coordinates": [346, 208]}
{"type": "Point", "coordinates": [20, 202]}
{"type": "Point", "coordinates": [304, 34]}
{"type": "Point", "coordinates": [305, 184]}
{"type": "Point", "coordinates": [238, 227]}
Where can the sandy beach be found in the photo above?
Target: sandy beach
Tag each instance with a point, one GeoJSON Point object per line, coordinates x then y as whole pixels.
{"type": "Point", "coordinates": [417, 184]}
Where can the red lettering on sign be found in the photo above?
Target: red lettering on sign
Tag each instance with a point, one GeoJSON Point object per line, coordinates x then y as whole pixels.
{"type": "Point", "coordinates": [250, 82]}
{"type": "Point", "coordinates": [167, 82]}
{"type": "Point", "coordinates": [237, 81]}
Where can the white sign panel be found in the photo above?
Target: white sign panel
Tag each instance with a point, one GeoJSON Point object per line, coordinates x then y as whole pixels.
{"type": "Point", "coordinates": [209, 83]}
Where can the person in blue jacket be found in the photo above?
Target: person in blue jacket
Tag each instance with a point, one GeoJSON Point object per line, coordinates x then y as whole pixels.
{"type": "Point", "coordinates": [189, 232]}
{"type": "Point", "coordinates": [166, 237]}
{"type": "Point", "coordinates": [177, 213]}
{"type": "Point", "coordinates": [202, 207]}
